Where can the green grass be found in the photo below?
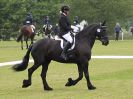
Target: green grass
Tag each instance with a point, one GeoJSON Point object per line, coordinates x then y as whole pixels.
{"type": "Point", "coordinates": [112, 77]}
{"type": "Point", "coordinates": [114, 48]}
{"type": "Point", "coordinates": [10, 51]}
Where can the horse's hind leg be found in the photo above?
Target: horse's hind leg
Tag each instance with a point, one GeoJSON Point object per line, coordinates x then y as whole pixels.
{"type": "Point", "coordinates": [74, 82]}
{"type": "Point", "coordinates": [43, 75]}
{"type": "Point", "coordinates": [22, 44]}
{"type": "Point", "coordinates": [31, 41]}
{"type": "Point", "coordinates": [27, 83]}
{"type": "Point", "coordinates": [26, 40]}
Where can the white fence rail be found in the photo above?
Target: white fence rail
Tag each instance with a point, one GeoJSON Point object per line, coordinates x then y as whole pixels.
{"type": "Point", "coordinates": [94, 57]}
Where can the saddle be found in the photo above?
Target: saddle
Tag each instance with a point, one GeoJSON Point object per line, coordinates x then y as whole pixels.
{"type": "Point", "coordinates": [63, 42]}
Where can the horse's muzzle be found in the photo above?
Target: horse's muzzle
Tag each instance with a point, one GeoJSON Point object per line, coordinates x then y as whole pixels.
{"type": "Point", "coordinates": [105, 41]}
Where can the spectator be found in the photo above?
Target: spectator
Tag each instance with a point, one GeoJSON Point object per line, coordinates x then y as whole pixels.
{"type": "Point", "coordinates": [131, 30]}
{"type": "Point", "coordinates": [117, 31]}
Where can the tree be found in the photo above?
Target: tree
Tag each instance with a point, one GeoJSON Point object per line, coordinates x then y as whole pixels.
{"type": "Point", "coordinates": [13, 12]}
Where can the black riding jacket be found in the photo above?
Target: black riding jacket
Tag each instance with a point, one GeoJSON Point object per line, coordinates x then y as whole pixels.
{"type": "Point", "coordinates": [29, 18]}
{"type": "Point", "coordinates": [64, 24]}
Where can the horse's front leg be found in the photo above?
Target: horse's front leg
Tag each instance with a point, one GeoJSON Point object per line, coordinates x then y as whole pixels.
{"type": "Point", "coordinates": [74, 82]}
{"type": "Point", "coordinates": [27, 82]}
{"type": "Point", "coordinates": [85, 70]}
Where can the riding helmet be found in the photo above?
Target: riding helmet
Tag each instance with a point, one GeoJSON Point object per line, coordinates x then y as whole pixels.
{"type": "Point", "coordinates": [65, 8]}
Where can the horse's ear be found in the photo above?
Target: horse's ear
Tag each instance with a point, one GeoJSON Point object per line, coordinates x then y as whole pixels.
{"type": "Point", "coordinates": [104, 22]}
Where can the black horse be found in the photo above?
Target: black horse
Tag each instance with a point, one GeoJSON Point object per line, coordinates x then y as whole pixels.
{"type": "Point", "coordinates": [47, 49]}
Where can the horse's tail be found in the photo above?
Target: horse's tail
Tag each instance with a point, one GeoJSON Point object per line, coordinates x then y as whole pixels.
{"type": "Point", "coordinates": [22, 66]}
{"type": "Point", "coordinates": [19, 37]}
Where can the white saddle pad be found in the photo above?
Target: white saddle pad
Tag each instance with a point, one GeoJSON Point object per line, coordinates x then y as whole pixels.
{"type": "Point", "coordinates": [62, 42]}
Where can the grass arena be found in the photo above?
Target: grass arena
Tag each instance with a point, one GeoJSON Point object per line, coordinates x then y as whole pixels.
{"type": "Point", "coordinates": [113, 77]}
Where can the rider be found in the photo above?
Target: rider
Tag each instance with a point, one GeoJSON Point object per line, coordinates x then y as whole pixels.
{"type": "Point", "coordinates": [29, 21]}
{"type": "Point", "coordinates": [47, 20]}
{"type": "Point", "coordinates": [47, 26]}
{"type": "Point", "coordinates": [76, 20]}
{"type": "Point", "coordinates": [65, 28]}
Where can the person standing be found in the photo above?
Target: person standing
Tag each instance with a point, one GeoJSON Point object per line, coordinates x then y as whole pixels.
{"type": "Point", "coordinates": [117, 31]}
{"type": "Point", "coordinates": [131, 30]}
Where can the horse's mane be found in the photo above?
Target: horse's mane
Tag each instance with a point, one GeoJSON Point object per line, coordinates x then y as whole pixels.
{"type": "Point", "coordinates": [87, 30]}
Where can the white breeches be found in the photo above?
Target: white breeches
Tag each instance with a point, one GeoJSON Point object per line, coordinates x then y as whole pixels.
{"type": "Point", "coordinates": [68, 37]}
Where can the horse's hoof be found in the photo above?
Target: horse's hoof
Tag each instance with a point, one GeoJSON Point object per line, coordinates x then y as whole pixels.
{"type": "Point", "coordinates": [91, 87]}
{"type": "Point", "coordinates": [70, 82]}
{"type": "Point", "coordinates": [48, 88]}
{"type": "Point", "coordinates": [26, 84]}
{"type": "Point", "coordinates": [67, 84]}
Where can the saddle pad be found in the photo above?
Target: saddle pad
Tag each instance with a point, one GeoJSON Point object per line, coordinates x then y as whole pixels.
{"type": "Point", "coordinates": [62, 42]}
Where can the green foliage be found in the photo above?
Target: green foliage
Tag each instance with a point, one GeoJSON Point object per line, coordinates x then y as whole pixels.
{"type": "Point", "coordinates": [13, 12]}
{"type": "Point", "coordinates": [99, 10]}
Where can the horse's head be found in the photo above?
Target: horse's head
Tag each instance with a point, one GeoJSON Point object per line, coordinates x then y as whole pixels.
{"type": "Point", "coordinates": [79, 27]}
{"type": "Point", "coordinates": [101, 33]}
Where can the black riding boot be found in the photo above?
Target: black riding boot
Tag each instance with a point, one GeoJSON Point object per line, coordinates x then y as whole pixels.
{"type": "Point", "coordinates": [64, 52]}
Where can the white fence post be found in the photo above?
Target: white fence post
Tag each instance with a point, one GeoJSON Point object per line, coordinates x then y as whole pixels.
{"type": "Point", "coordinates": [122, 35]}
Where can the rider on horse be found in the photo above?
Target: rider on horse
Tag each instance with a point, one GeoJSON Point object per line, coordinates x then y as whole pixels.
{"type": "Point", "coordinates": [47, 20]}
{"type": "Point", "coordinates": [29, 21]}
{"type": "Point", "coordinates": [65, 28]}
{"type": "Point", "coordinates": [47, 27]}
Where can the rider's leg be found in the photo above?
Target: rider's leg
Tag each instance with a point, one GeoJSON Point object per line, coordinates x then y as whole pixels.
{"type": "Point", "coordinates": [64, 52]}
{"type": "Point", "coordinates": [67, 46]}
